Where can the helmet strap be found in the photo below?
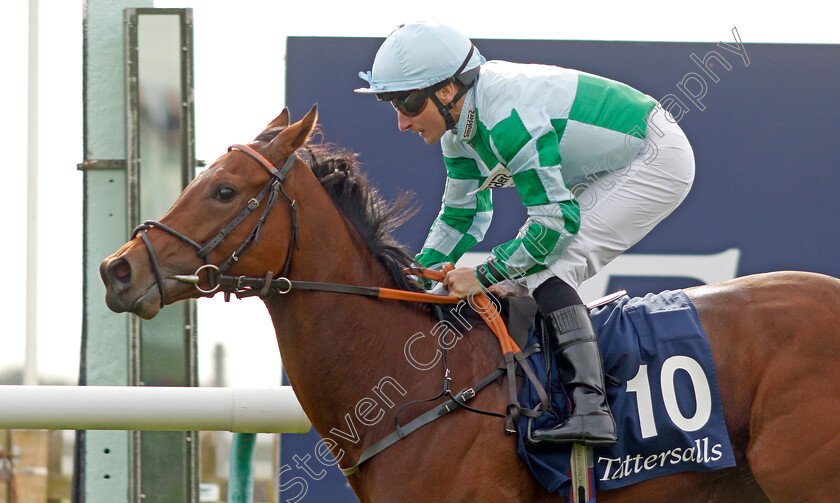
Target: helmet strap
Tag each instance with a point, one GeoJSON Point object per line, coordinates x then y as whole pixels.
{"type": "Point", "coordinates": [444, 109]}
{"type": "Point", "coordinates": [465, 86]}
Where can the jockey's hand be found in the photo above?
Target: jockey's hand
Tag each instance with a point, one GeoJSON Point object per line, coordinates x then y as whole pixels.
{"type": "Point", "coordinates": [461, 281]}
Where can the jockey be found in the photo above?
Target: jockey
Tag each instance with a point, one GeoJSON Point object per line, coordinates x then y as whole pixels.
{"type": "Point", "coordinates": [597, 165]}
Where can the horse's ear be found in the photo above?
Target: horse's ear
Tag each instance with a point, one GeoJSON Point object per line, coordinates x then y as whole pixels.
{"type": "Point", "coordinates": [294, 136]}
{"type": "Point", "coordinates": [281, 120]}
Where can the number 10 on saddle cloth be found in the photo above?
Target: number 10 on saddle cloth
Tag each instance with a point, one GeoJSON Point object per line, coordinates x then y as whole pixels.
{"type": "Point", "coordinates": [667, 406]}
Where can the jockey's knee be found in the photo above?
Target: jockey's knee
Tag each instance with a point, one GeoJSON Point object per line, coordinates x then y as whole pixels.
{"type": "Point", "coordinates": [554, 294]}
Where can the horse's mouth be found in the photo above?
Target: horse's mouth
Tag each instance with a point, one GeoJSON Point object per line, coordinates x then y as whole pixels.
{"type": "Point", "coordinates": [146, 305]}
{"type": "Point", "coordinates": [126, 290]}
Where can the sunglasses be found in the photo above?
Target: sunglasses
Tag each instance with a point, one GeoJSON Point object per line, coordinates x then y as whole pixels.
{"type": "Point", "coordinates": [410, 104]}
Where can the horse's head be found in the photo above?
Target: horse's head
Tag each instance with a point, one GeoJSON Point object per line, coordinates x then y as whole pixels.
{"type": "Point", "coordinates": [227, 218]}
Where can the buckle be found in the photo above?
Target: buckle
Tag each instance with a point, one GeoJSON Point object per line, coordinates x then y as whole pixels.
{"type": "Point", "coordinates": [467, 394]}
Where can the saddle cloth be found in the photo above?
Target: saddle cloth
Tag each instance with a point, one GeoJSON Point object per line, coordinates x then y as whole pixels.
{"type": "Point", "coordinates": [667, 407]}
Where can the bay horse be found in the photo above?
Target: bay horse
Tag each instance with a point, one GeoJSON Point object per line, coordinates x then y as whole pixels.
{"type": "Point", "coordinates": [775, 338]}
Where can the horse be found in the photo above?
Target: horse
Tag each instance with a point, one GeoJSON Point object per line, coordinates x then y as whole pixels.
{"type": "Point", "coordinates": [774, 337]}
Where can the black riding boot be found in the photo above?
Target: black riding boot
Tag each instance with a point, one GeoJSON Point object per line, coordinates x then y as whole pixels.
{"type": "Point", "coordinates": [582, 371]}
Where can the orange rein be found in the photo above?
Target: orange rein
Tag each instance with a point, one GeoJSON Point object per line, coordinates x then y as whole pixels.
{"type": "Point", "coordinates": [479, 302]}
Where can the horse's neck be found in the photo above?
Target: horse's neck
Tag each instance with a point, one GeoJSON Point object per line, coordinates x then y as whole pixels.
{"type": "Point", "coordinates": [339, 349]}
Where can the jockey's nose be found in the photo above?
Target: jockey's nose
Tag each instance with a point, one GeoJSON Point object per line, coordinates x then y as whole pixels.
{"type": "Point", "coordinates": [403, 121]}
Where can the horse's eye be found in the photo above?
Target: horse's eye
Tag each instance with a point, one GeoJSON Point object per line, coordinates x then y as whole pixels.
{"type": "Point", "coordinates": [225, 193]}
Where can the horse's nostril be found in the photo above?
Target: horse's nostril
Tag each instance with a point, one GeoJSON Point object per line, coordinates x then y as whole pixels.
{"type": "Point", "coordinates": [121, 270]}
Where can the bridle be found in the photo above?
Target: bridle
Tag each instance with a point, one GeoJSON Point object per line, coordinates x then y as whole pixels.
{"type": "Point", "coordinates": [272, 190]}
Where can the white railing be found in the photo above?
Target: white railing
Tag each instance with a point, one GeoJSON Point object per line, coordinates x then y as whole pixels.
{"type": "Point", "coordinates": [241, 410]}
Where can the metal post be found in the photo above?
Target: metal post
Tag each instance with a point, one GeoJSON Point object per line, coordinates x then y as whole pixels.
{"type": "Point", "coordinates": [241, 480]}
{"type": "Point", "coordinates": [30, 366]}
{"type": "Point", "coordinates": [105, 472]}
{"type": "Point", "coordinates": [160, 162]}
{"type": "Point", "coordinates": [124, 48]}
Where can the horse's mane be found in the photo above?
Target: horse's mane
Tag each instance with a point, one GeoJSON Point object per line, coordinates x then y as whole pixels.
{"type": "Point", "coordinates": [362, 204]}
{"type": "Point", "coordinates": [373, 217]}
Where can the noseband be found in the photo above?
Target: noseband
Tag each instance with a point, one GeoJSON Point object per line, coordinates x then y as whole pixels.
{"type": "Point", "coordinates": [272, 189]}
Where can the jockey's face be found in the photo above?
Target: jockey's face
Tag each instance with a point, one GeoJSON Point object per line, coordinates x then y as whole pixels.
{"type": "Point", "coordinates": [429, 123]}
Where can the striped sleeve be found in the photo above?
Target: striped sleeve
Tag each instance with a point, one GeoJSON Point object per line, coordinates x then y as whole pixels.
{"type": "Point", "coordinates": [463, 218]}
{"type": "Point", "coordinates": [527, 142]}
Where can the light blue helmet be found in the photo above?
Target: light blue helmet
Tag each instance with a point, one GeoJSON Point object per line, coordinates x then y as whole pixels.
{"type": "Point", "coordinates": [420, 55]}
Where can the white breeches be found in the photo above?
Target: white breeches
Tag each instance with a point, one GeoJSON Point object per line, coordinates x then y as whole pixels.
{"type": "Point", "coordinates": [621, 207]}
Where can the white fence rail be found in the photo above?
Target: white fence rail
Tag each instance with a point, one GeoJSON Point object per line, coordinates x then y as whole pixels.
{"type": "Point", "coordinates": [240, 410]}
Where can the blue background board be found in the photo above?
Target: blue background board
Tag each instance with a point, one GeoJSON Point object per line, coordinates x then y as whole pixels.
{"type": "Point", "coordinates": [766, 144]}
